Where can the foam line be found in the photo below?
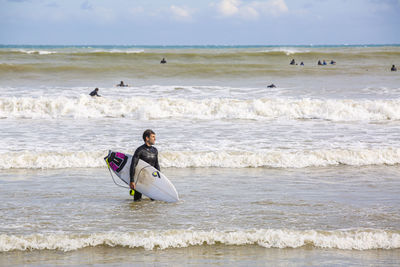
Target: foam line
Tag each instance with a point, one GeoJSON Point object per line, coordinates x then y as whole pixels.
{"type": "Point", "coordinates": [268, 238]}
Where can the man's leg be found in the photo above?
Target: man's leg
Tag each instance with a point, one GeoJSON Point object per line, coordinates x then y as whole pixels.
{"type": "Point", "coordinates": [137, 196]}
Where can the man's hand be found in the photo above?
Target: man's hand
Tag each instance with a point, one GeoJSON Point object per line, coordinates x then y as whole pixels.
{"type": "Point", "coordinates": [132, 185]}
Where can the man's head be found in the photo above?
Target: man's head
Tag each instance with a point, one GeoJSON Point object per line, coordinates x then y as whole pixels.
{"type": "Point", "coordinates": [149, 137]}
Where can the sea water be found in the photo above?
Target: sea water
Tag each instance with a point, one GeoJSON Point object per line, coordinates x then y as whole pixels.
{"type": "Point", "coordinates": [304, 174]}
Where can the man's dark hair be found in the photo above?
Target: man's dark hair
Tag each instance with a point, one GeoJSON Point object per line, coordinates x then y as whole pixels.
{"type": "Point", "coordinates": [147, 133]}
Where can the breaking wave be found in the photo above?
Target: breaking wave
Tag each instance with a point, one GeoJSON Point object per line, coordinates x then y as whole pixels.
{"type": "Point", "coordinates": [268, 238]}
{"type": "Point", "coordinates": [221, 159]}
{"type": "Point", "coordinates": [208, 52]}
{"type": "Point", "coordinates": [35, 52]}
{"type": "Point", "coordinates": [204, 109]}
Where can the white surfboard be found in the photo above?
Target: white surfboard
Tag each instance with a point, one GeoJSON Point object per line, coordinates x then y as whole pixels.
{"type": "Point", "coordinates": [149, 181]}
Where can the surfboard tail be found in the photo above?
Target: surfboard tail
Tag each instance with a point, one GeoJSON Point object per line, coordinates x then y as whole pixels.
{"type": "Point", "coordinates": [108, 156]}
{"type": "Point", "coordinates": [116, 160]}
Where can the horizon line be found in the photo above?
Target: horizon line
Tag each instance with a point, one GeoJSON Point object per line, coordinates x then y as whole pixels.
{"type": "Point", "coordinates": [205, 45]}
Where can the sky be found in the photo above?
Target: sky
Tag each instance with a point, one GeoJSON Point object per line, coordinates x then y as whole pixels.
{"type": "Point", "coordinates": [199, 22]}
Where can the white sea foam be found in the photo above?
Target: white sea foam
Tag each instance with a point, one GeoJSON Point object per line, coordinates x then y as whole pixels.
{"type": "Point", "coordinates": [125, 51]}
{"type": "Point", "coordinates": [39, 52]}
{"type": "Point", "coordinates": [66, 51]}
{"type": "Point", "coordinates": [52, 160]}
{"type": "Point", "coordinates": [287, 50]}
{"type": "Point", "coordinates": [116, 51]}
{"type": "Point", "coordinates": [204, 109]}
{"type": "Point", "coordinates": [281, 159]}
{"type": "Point", "coordinates": [222, 159]}
{"type": "Point", "coordinates": [268, 238]}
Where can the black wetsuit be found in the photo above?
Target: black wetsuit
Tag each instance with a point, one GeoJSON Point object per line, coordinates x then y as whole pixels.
{"type": "Point", "coordinates": [94, 93]}
{"type": "Point", "coordinates": [148, 154]}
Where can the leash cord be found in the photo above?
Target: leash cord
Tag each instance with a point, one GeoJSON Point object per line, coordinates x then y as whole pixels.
{"type": "Point", "coordinates": [108, 165]}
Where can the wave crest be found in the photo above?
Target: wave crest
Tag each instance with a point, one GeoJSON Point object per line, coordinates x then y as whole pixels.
{"type": "Point", "coordinates": [205, 109]}
{"type": "Point", "coordinates": [268, 238]}
{"type": "Point", "coordinates": [211, 52]}
{"type": "Point", "coordinates": [221, 159]}
{"type": "Point", "coordinates": [281, 158]}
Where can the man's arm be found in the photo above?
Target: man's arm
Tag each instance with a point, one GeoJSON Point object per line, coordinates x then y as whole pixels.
{"type": "Point", "coordinates": [156, 165]}
{"type": "Point", "coordinates": [134, 162]}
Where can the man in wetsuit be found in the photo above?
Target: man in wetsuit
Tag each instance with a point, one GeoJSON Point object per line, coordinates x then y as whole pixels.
{"type": "Point", "coordinates": [121, 84]}
{"type": "Point", "coordinates": [146, 152]}
{"type": "Point", "coordinates": [95, 92]}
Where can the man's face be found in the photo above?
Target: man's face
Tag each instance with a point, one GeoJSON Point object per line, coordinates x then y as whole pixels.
{"type": "Point", "coordinates": [151, 140]}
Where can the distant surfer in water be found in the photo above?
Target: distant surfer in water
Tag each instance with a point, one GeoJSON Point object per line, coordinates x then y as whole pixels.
{"type": "Point", "coordinates": [163, 61]}
{"type": "Point", "coordinates": [293, 62]}
{"type": "Point", "coordinates": [95, 92]}
{"type": "Point", "coordinates": [393, 68]}
{"type": "Point", "coordinates": [271, 86]}
{"type": "Point", "coordinates": [121, 84]}
{"type": "Point", "coordinates": [146, 152]}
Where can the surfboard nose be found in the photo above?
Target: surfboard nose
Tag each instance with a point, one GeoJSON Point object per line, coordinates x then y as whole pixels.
{"type": "Point", "coordinates": [173, 199]}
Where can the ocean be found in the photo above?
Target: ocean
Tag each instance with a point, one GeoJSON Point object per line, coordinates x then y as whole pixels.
{"type": "Point", "coordinates": [302, 174]}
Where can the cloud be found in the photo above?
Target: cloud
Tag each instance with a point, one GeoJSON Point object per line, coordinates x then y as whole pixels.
{"type": "Point", "coordinates": [253, 9]}
{"type": "Point", "coordinates": [86, 5]}
{"type": "Point", "coordinates": [272, 7]}
{"type": "Point", "coordinates": [249, 12]}
{"type": "Point", "coordinates": [181, 13]}
{"type": "Point", "coordinates": [229, 7]}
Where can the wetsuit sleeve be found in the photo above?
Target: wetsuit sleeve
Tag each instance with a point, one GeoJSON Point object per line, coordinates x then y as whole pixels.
{"type": "Point", "coordinates": [156, 165]}
{"type": "Point", "coordinates": [134, 162]}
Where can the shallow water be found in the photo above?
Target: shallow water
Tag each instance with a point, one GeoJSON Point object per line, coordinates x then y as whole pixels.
{"type": "Point", "coordinates": [212, 200]}
{"type": "Point", "coordinates": [218, 255]}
